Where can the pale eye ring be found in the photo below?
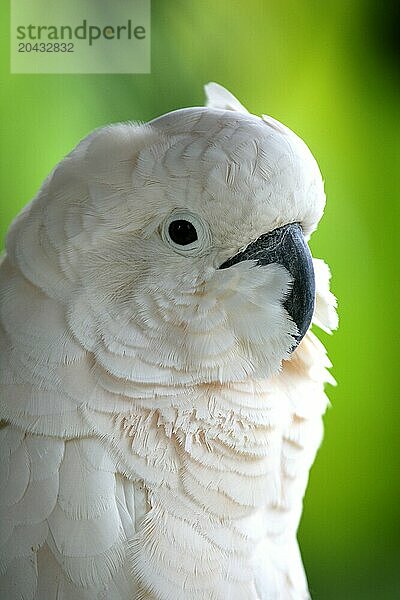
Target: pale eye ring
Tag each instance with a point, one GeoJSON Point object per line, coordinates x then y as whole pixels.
{"type": "Point", "coordinates": [186, 233]}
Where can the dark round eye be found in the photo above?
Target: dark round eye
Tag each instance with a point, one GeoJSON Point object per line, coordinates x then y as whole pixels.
{"type": "Point", "coordinates": [182, 232]}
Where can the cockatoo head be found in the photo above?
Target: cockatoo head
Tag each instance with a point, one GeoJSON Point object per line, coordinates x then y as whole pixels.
{"type": "Point", "coordinates": [182, 243]}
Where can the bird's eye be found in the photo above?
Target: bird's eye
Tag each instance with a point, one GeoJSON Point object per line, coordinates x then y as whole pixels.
{"type": "Point", "coordinates": [182, 232]}
{"type": "Point", "coordinates": [186, 233]}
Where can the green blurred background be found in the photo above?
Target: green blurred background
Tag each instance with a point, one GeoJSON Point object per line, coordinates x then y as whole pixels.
{"type": "Point", "coordinates": [331, 71]}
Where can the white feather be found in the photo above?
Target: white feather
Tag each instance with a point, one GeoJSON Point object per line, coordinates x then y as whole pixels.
{"type": "Point", "coordinates": [156, 430]}
{"type": "Point", "coordinates": [218, 97]}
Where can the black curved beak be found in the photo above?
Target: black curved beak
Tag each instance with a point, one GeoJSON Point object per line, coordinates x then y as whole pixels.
{"type": "Point", "coordinates": [286, 246]}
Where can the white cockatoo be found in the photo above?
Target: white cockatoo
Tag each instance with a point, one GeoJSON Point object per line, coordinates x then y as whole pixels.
{"type": "Point", "coordinates": [161, 396]}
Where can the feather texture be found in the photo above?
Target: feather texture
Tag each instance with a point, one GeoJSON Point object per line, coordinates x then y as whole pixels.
{"type": "Point", "coordinates": [156, 428]}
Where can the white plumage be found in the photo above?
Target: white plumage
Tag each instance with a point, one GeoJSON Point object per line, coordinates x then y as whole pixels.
{"type": "Point", "coordinates": [157, 432]}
